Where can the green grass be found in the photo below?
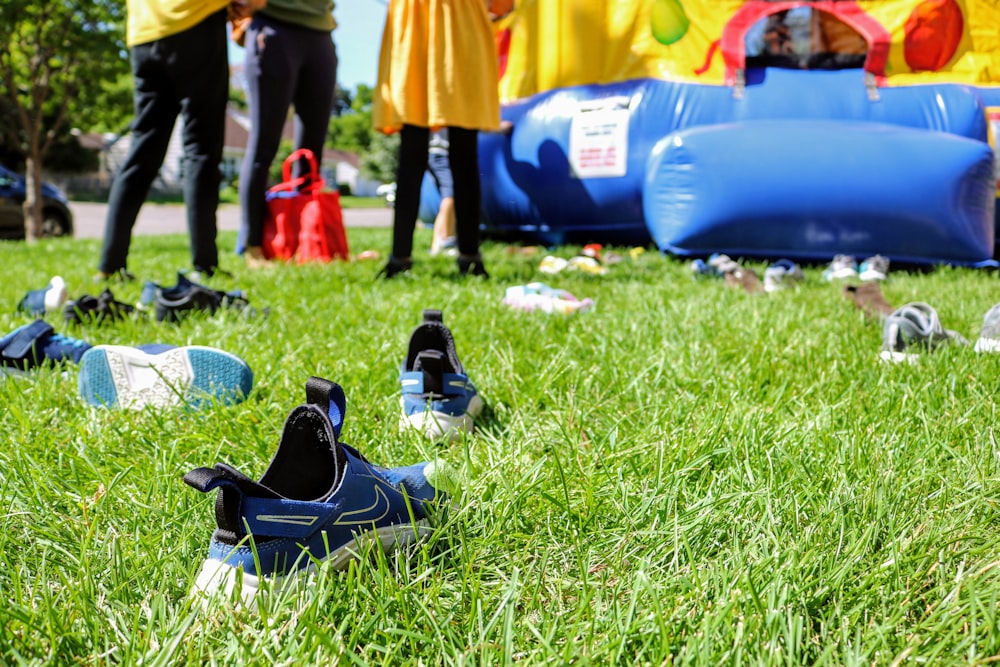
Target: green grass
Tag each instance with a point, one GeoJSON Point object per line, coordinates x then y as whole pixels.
{"type": "Point", "coordinates": [688, 474]}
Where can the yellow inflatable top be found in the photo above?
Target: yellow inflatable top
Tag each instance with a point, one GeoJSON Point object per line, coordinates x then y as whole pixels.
{"type": "Point", "coordinates": [546, 44]}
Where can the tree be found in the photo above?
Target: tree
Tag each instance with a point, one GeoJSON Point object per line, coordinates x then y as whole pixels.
{"type": "Point", "coordinates": [57, 57]}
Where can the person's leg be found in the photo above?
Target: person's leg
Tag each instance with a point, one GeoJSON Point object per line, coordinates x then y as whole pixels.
{"type": "Point", "coordinates": [444, 227]}
{"type": "Point", "coordinates": [156, 109]}
{"type": "Point", "coordinates": [201, 71]}
{"type": "Point", "coordinates": [463, 154]}
{"type": "Point", "coordinates": [270, 82]}
{"type": "Point", "coordinates": [440, 168]}
{"type": "Point", "coordinates": [313, 97]}
{"type": "Point", "coordinates": [409, 175]}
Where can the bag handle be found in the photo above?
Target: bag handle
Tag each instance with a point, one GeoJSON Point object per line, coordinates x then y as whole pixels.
{"type": "Point", "coordinates": [315, 183]}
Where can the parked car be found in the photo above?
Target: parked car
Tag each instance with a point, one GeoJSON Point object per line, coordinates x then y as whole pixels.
{"type": "Point", "coordinates": [57, 219]}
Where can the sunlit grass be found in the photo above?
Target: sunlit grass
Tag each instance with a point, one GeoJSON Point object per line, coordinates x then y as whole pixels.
{"type": "Point", "coordinates": [687, 474]}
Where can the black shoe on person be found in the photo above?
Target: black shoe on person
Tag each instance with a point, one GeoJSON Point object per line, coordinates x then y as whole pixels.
{"type": "Point", "coordinates": [472, 265]}
{"type": "Point", "coordinates": [395, 267]}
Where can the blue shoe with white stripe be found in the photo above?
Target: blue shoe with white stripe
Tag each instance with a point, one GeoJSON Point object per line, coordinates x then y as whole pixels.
{"type": "Point", "coordinates": [319, 501]}
{"type": "Point", "coordinates": [116, 376]}
{"type": "Point", "coordinates": [438, 398]}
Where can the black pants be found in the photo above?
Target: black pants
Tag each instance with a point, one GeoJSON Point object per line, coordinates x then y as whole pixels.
{"type": "Point", "coordinates": [285, 65]}
{"type": "Point", "coordinates": [463, 154]}
{"type": "Point", "coordinates": [186, 74]}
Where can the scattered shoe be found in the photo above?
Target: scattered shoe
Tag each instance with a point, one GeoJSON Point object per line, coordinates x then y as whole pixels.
{"type": "Point", "coordinates": [869, 298]}
{"type": "Point", "coordinates": [989, 334]}
{"type": "Point", "coordinates": [841, 268]}
{"type": "Point", "coordinates": [37, 344]}
{"type": "Point", "coordinates": [782, 274]}
{"type": "Point", "coordinates": [587, 264]}
{"type": "Point", "coordinates": [318, 502]}
{"type": "Point", "coordinates": [874, 268]}
{"type": "Point", "coordinates": [171, 304]}
{"type": "Point", "coordinates": [551, 264]}
{"type": "Point", "coordinates": [49, 299]}
{"type": "Point", "coordinates": [539, 296]}
{"type": "Point", "coordinates": [115, 376]}
{"type": "Point", "coordinates": [96, 309]}
{"type": "Point", "coordinates": [717, 266]}
{"type": "Point", "coordinates": [915, 325]}
{"type": "Point", "coordinates": [438, 398]}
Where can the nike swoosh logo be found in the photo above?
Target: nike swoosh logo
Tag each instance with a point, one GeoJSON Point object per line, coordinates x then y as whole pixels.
{"type": "Point", "coordinates": [294, 519]}
{"type": "Point", "coordinates": [457, 383]}
{"type": "Point", "coordinates": [368, 515]}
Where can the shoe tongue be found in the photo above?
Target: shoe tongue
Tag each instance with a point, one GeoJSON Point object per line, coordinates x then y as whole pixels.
{"type": "Point", "coordinates": [432, 364]}
{"type": "Point", "coordinates": [309, 461]}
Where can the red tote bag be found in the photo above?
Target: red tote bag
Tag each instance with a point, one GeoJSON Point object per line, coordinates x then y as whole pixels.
{"type": "Point", "coordinates": [304, 220]}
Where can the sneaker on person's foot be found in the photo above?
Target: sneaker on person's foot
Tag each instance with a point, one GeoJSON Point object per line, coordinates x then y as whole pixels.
{"type": "Point", "coordinates": [319, 502]}
{"type": "Point", "coordinates": [989, 334]}
{"type": "Point", "coordinates": [96, 309]}
{"type": "Point", "coordinates": [914, 326]}
{"type": "Point", "coordinates": [119, 276]}
{"type": "Point", "coordinates": [438, 398]}
{"type": "Point", "coordinates": [782, 274]}
{"type": "Point", "coordinates": [841, 268]}
{"type": "Point", "coordinates": [173, 303]}
{"type": "Point", "coordinates": [37, 344]}
{"type": "Point", "coordinates": [116, 376]}
{"type": "Point", "coordinates": [874, 268]}
{"type": "Point", "coordinates": [48, 299]}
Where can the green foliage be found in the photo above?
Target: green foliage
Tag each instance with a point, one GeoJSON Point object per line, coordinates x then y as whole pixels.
{"type": "Point", "coordinates": [686, 475]}
{"type": "Point", "coordinates": [382, 158]}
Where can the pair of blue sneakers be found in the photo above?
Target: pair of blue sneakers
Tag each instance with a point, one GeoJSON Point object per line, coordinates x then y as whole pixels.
{"type": "Point", "coordinates": [319, 502]}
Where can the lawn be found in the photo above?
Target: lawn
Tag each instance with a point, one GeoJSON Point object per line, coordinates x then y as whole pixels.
{"type": "Point", "coordinates": [687, 474]}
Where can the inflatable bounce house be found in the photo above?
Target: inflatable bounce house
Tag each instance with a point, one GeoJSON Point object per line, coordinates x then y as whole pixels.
{"type": "Point", "coordinates": [757, 128]}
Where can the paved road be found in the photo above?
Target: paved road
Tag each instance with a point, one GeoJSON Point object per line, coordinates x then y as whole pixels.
{"type": "Point", "coordinates": [170, 218]}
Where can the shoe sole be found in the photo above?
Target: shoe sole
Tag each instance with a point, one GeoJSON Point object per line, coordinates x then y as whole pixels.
{"type": "Point", "coordinates": [218, 577]}
{"type": "Point", "coordinates": [988, 345]}
{"type": "Point", "coordinates": [124, 377]}
{"type": "Point", "coordinates": [441, 426]}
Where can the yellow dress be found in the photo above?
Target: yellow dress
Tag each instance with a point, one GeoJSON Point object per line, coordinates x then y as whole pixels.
{"type": "Point", "coordinates": [437, 67]}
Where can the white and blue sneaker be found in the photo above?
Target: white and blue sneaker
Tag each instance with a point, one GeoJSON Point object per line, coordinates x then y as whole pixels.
{"type": "Point", "coordinates": [438, 398]}
{"type": "Point", "coordinates": [842, 267]}
{"type": "Point", "coordinates": [48, 299]}
{"type": "Point", "coordinates": [37, 344]}
{"type": "Point", "coordinates": [319, 502]}
{"type": "Point", "coordinates": [116, 376]}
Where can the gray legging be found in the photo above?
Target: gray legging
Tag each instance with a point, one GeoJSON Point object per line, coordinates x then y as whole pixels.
{"type": "Point", "coordinates": [285, 65]}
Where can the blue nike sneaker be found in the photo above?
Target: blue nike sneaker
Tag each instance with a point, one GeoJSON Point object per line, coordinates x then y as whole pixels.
{"type": "Point", "coordinates": [37, 344]}
{"type": "Point", "coordinates": [116, 376]}
{"type": "Point", "coordinates": [318, 502]}
{"type": "Point", "coordinates": [438, 397]}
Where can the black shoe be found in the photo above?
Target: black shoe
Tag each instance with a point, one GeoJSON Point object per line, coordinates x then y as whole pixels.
{"type": "Point", "coordinates": [472, 265]}
{"type": "Point", "coordinates": [395, 267]}
{"type": "Point", "coordinates": [96, 309]}
{"type": "Point", "coordinates": [171, 303]}
{"type": "Point", "coordinates": [119, 276]}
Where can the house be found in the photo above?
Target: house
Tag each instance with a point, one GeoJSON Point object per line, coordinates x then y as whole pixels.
{"type": "Point", "coordinates": [338, 168]}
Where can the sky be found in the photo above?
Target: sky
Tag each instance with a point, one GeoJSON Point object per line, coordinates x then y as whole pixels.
{"type": "Point", "coordinates": [358, 37]}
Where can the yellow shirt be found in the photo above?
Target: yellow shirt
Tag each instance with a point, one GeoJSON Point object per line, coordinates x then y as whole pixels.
{"type": "Point", "coordinates": [149, 20]}
{"type": "Point", "coordinates": [437, 67]}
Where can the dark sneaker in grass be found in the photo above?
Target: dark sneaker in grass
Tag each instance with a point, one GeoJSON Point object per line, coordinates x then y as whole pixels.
{"type": "Point", "coordinates": [172, 303]}
{"type": "Point", "coordinates": [914, 327]}
{"type": "Point", "coordinates": [320, 501]}
{"type": "Point", "coordinates": [90, 309]}
{"type": "Point", "coordinates": [48, 299]}
{"type": "Point", "coordinates": [37, 344]}
{"type": "Point", "coordinates": [115, 376]}
{"type": "Point", "coordinates": [438, 398]}
{"type": "Point", "coordinates": [989, 334]}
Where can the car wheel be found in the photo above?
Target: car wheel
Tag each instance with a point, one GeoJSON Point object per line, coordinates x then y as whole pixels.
{"type": "Point", "coordinates": [54, 224]}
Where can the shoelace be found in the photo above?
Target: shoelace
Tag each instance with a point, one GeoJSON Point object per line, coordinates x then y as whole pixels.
{"type": "Point", "coordinates": [68, 341]}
